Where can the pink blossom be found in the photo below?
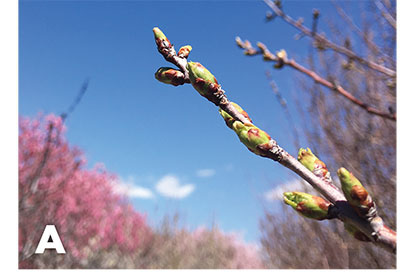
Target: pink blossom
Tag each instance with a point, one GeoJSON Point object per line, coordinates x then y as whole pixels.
{"type": "Point", "coordinates": [57, 189]}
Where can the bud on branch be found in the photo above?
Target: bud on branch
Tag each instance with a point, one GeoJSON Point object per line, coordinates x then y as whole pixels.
{"type": "Point", "coordinates": [255, 139]}
{"type": "Point", "coordinates": [162, 42]}
{"type": "Point", "coordinates": [307, 205]}
{"type": "Point", "coordinates": [184, 51]}
{"type": "Point", "coordinates": [356, 194]}
{"type": "Point", "coordinates": [315, 165]}
{"type": "Point", "coordinates": [281, 59]}
{"type": "Point", "coordinates": [205, 83]}
{"type": "Point", "coordinates": [170, 76]}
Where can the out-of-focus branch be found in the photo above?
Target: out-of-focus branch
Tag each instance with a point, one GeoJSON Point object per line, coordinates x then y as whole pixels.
{"type": "Point", "coordinates": [283, 103]}
{"type": "Point", "coordinates": [385, 13]}
{"type": "Point", "coordinates": [260, 143]}
{"type": "Point", "coordinates": [326, 43]}
{"type": "Point", "coordinates": [77, 100]}
{"type": "Point", "coordinates": [46, 153]}
{"type": "Point", "coordinates": [315, 22]}
{"type": "Point", "coordinates": [49, 140]}
{"type": "Point", "coordinates": [361, 34]}
{"type": "Point", "coordinates": [281, 60]}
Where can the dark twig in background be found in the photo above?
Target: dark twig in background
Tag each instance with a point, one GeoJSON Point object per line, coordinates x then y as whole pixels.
{"type": "Point", "coordinates": [282, 101]}
{"type": "Point", "coordinates": [385, 13]}
{"type": "Point", "coordinates": [77, 99]}
{"type": "Point", "coordinates": [333, 85]}
{"type": "Point", "coordinates": [325, 43]}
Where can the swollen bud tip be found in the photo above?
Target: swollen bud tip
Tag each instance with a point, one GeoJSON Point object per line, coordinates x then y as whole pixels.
{"type": "Point", "coordinates": [204, 82]}
{"type": "Point", "coordinates": [239, 41]}
{"type": "Point", "coordinates": [307, 158]}
{"type": "Point", "coordinates": [170, 76]}
{"type": "Point", "coordinates": [158, 34]}
{"type": "Point", "coordinates": [255, 139]}
{"type": "Point", "coordinates": [355, 193]}
{"type": "Point", "coordinates": [307, 205]}
{"type": "Point", "coordinates": [312, 163]}
{"type": "Point", "coordinates": [281, 54]}
{"type": "Point", "coordinates": [184, 51]}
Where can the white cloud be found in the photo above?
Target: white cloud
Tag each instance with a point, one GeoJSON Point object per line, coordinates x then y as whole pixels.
{"type": "Point", "coordinates": [205, 173]}
{"type": "Point", "coordinates": [292, 185]}
{"type": "Point", "coordinates": [130, 189]}
{"type": "Point", "coordinates": [170, 186]}
{"type": "Point", "coordinates": [229, 167]}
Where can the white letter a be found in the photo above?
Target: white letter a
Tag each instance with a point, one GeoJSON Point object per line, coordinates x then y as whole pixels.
{"type": "Point", "coordinates": [50, 231]}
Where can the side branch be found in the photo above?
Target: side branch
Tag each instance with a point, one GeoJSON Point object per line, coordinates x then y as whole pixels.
{"type": "Point", "coordinates": [385, 14]}
{"type": "Point", "coordinates": [281, 59]}
{"type": "Point", "coordinates": [327, 43]}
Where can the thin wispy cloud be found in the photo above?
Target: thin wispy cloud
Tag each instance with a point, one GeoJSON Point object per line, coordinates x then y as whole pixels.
{"type": "Point", "coordinates": [292, 185]}
{"type": "Point", "coordinates": [229, 167]}
{"type": "Point", "coordinates": [205, 173]}
{"type": "Point", "coordinates": [130, 189]}
{"type": "Point", "coordinates": [171, 187]}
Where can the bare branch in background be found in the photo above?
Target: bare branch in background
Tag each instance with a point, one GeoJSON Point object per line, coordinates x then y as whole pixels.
{"type": "Point", "coordinates": [323, 42]}
{"type": "Point", "coordinates": [343, 134]}
{"type": "Point", "coordinates": [385, 13]}
{"type": "Point", "coordinates": [49, 140]}
{"type": "Point", "coordinates": [315, 22]}
{"type": "Point", "coordinates": [282, 101]}
{"type": "Point", "coordinates": [361, 34]}
{"type": "Point", "coordinates": [77, 100]}
{"type": "Point", "coordinates": [281, 60]}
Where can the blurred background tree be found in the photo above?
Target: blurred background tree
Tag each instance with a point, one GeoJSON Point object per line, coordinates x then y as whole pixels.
{"type": "Point", "coordinates": [98, 228]}
{"type": "Point", "coordinates": [54, 188]}
{"type": "Point", "coordinates": [340, 132]}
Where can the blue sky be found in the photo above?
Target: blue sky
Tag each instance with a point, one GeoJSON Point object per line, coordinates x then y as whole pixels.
{"type": "Point", "coordinates": [169, 146]}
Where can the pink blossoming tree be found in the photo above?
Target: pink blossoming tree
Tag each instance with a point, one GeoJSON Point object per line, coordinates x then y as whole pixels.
{"type": "Point", "coordinates": [54, 188]}
{"type": "Point", "coordinates": [98, 228]}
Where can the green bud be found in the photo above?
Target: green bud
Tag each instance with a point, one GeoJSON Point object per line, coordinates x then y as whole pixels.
{"type": "Point", "coordinates": [307, 205]}
{"type": "Point", "coordinates": [307, 158]}
{"type": "Point", "coordinates": [158, 34]}
{"type": "Point", "coordinates": [255, 139]}
{"type": "Point", "coordinates": [204, 82]}
{"type": "Point", "coordinates": [198, 71]}
{"type": "Point", "coordinates": [170, 76]}
{"type": "Point", "coordinates": [355, 193]}
{"type": "Point", "coordinates": [184, 51]}
{"type": "Point", "coordinates": [227, 117]}
{"type": "Point", "coordinates": [161, 40]}
{"type": "Point", "coordinates": [312, 163]}
{"type": "Point", "coordinates": [357, 234]}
